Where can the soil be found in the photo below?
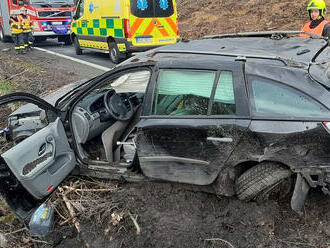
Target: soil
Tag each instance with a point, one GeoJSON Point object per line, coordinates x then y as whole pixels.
{"type": "Point", "coordinates": [169, 215]}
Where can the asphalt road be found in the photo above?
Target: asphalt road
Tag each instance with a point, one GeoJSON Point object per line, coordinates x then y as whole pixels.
{"type": "Point", "coordinates": [97, 58]}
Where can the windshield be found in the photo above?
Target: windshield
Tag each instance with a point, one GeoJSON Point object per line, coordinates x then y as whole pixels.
{"type": "Point", "coordinates": [50, 3]}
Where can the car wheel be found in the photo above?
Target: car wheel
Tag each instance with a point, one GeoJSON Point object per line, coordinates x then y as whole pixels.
{"type": "Point", "coordinates": [114, 53]}
{"type": "Point", "coordinates": [3, 38]}
{"type": "Point", "coordinates": [263, 181]}
{"type": "Point", "coordinates": [67, 41]}
{"type": "Point", "coordinates": [77, 46]}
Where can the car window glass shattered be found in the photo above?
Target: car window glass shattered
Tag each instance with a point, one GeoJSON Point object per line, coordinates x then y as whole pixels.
{"type": "Point", "coordinates": [271, 98]}
{"type": "Point", "coordinates": [224, 99]}
{"type": "Point", "coordinates": [183, 92]}
{"type": "Point", "coordinates": [132, 82]}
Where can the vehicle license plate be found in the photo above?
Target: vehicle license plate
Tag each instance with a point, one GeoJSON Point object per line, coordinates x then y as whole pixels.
{"type": "Point", "coordinates": [57, 23]}
{"type": "Point", "coordinates": [143, 40]}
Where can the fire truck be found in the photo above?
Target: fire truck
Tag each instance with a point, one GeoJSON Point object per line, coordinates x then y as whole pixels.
{"type": "Point", "coordinates": [50, 18]}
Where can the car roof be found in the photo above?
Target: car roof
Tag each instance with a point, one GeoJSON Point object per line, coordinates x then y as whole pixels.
{"type": "Point", "coordinates": [291, 48]}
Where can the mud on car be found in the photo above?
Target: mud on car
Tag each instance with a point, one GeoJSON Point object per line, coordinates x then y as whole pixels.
{"type": "Point", "coordinates": [248, 114]}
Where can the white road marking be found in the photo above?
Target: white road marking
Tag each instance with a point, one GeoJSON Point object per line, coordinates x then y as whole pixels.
{"type": "Point", "coordinates": [74, 59]}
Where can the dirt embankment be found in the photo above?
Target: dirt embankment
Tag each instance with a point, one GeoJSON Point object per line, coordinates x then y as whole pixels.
{"type": "Point", "coordinates": [169, 215]}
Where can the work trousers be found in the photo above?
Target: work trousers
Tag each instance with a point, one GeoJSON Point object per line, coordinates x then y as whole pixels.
{"type": "Point", "coordinates": [28, 39]}
{"type": "Point", "coordinates": [18, 40]}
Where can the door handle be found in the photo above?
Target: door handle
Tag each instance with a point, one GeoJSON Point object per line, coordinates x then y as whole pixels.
{"type": "Point", "coordinates": [42, 149]}
{"type": "Point", "coordinates": [222, 139]}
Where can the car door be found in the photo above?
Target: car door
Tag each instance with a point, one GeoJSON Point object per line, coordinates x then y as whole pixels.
{"type": "Point", "coordinates": [34, 167]}
{"type": "Point", "coordinates": [195, 120]}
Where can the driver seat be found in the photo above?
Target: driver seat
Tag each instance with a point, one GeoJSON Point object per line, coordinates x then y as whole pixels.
{"type": "Point", "coordinates": [110, 137]}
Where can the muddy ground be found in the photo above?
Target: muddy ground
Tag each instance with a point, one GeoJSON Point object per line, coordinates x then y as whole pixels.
{"type": "Point", "coordinates": [168, 215]}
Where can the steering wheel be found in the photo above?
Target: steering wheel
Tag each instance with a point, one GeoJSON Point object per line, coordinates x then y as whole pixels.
{"type": "Point", "coordinates": [119, 107]}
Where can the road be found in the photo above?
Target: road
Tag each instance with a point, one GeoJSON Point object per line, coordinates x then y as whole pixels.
{"type": "Point", "coordinates": [97, 58]}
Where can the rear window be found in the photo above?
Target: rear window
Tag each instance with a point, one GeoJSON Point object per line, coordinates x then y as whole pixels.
{"type": "Point", "coordinates": [152, 8]}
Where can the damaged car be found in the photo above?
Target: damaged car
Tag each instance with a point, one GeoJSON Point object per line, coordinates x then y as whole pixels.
{"type": "Point", "coordinates": [247, 114]}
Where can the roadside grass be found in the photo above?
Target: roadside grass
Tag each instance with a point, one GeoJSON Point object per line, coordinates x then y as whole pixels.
{"type": "Point", "coordinates": [7, 86]}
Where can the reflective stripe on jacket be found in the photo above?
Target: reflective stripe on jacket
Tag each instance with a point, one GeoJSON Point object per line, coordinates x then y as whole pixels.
{"type": "Point", "coordinates": [15, 26]}
{"type": "Point", "coordinates": [317, 30]}
{"type": "Point", "coordinates": [26, 23]}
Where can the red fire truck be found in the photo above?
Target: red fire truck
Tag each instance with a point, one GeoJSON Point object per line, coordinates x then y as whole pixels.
{"type": "Point", "coordinates": [50, 18]}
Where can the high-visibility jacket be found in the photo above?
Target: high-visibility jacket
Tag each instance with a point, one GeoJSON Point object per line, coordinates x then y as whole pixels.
{"type": "Point", "coordinates": [317, 30]}
{"type": "Point", "coordinates": [16, 26]}
{"type": "Point", "coordinates": [26, 23]}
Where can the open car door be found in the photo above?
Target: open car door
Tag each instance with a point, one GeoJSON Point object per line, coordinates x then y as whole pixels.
{"type": "Point", "coordinates": [31, 169]}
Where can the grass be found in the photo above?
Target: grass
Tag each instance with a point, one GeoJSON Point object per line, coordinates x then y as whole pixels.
{"type": "Point", "coordinates": [7, 86]}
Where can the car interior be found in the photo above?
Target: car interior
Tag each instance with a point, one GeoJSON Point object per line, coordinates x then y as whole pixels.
{"type": "Point", "coordinates": [108, 115]}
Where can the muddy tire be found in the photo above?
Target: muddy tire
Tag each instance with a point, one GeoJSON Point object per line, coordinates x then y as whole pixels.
{"type": "Point", "coordinates": [262, 180]}
{"type": "Point", "coordinates": [114, 53]}
{"type": "Point", "coordinates": [77, 46]}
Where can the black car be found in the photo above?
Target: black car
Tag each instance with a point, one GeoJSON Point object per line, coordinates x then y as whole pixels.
{"type": "Point", "coordinates": [248, 114]}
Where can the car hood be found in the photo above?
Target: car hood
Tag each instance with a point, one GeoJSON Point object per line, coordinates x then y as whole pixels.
{"type": "Point", "coordinates": [50, 98]}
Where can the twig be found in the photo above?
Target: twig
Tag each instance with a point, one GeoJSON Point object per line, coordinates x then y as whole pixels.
{"type": "Point", "coordinates": [222, 240]}
{"type": "Point", "coordinates": [138, 230]}
{"type": "Point", "coordinates": [60, 214]}
{"type": "Point", "coordinates": [17, 231]}
{"type": "Point", "coordinates": [70, 208]}
{"type": "Point", "coordinates": [65, 221]}
{"type": "Point", "coordinates": [88, 190]}
{"type": "Point", "coordinates": [39, 241]}
{"type": "Point", "coordinates": [15, 75]}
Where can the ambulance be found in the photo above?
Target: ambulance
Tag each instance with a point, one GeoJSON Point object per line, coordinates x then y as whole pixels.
{"type": "Point", "coordinates": [120, 27]}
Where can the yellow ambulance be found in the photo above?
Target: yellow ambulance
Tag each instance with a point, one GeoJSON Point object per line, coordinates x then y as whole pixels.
{"type": "Point", "coordinates": [120, 27]}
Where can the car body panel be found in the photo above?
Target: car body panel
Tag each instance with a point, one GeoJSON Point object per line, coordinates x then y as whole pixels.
{"type": "Point", "coordinates": [40, 162]}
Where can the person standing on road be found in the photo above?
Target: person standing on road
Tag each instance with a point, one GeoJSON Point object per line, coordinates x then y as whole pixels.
{"type": "Point", "coordinates": [27, 29]}
{"type": "Point", "coordinates": [317, 25]}
{"type": "Point", "coordinates": [17, 33]}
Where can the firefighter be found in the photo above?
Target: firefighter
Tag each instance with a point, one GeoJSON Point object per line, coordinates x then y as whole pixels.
{"type": "Point", "coordinates": [27, 29]}
{"type": "Point", "coordinates": [317, 25]}
{"type": "Point", "coordinates": [17, 33]}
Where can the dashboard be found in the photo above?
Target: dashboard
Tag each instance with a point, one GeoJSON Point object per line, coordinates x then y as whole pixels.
{"type": "Point", "coordinates": [90, 116]}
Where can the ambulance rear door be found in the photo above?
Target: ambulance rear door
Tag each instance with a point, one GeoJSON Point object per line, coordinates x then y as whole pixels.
{"type": "Point", "coordinates": [153, 22]}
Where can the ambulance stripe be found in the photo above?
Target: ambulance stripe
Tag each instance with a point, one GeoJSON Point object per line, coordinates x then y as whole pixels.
{"type": "Point", "coordinates": [149, 28]}
{"type": "Point", "coordinates": [172, 24]}
{"type": "Point", "coordinates": [163, 32]}
{"type": "Point", "coordinates": [136, 25]}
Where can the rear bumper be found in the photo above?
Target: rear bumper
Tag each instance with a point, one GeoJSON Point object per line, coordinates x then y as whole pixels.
{"type": "Point", "coordinates": [49, 34]}
{"type": "Point", "coordinates": [130, 48]}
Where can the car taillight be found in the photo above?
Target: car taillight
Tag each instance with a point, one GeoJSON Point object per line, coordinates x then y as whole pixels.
{"type": "Point", "coordinates": [127, 28]}
{"type": "Point", "coordinates": [326, 124]}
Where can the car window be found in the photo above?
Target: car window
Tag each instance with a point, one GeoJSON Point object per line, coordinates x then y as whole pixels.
{"type": "Point", "coordinates": [183, 92]}
{"type": "Point", "coordinates": [271, 98]}
{"type": "Point", "coordinates": [224, 99]}
{"type": "Point", "coordinates": [152, 8]}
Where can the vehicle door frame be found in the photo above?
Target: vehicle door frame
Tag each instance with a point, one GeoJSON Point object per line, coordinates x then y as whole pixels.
{"type": "Point", "coordinates": [116, 72]}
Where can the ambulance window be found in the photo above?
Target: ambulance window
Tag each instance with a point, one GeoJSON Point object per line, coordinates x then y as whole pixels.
{"type": "Point", "coordinates": [80, 9]}
{"type": "Point", "coordinates": [142, 8]}
{"type": "Point", "coordinates": [163, 8]}
{"type": "Point", "coordinates": [152, 8]}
